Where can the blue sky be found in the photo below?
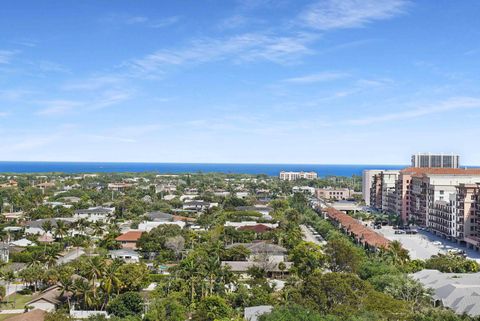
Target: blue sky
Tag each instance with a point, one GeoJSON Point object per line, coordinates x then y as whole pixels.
{"type": "Point", "coordinates": [257, 81]}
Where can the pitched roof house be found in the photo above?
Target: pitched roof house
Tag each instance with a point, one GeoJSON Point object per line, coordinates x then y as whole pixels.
{"type": "Point", "coordinates": [129, 239]}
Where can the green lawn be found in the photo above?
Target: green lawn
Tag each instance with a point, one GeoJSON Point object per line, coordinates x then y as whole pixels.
{"type": "Point", "coordinates": [20, 301]}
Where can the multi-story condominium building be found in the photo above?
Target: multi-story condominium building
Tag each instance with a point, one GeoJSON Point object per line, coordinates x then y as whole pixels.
{"type": "Point", "coordinates": [402, 191]}
{"type": "Point", "coordinates": [334, 193]}
{"type": "Point", "coordinates": [442, 218]}
{"type": "Point", "coordinates": [382, 191]}
{"type": "Point", "coordinates": [417, 189]}
{"type": "Point", "coordinates": [367, 181]}
{"type": "Point", "coordinates": [468, 214]}
{"type": "Point", "coordinates": [435, 160]}
{"type": "Point", "coordinates": [292, 176]}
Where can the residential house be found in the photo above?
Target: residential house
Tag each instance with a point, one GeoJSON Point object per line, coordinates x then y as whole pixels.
{"type": "Point", "coordinates": [35, 227]}
{"type": "Point", "coordinates": [127, 255]}
{"type": "Point", "coordinates": [95, 214]}
{"type": "Point", "coordinates": [119, 187]}
{"type": "Point", "coordinates": [457, 291]}
{"type": "Point", "coordinates": [129, 239]}
{"type": "Point", "coordinates": [14, 216]}
{"type": "Point", "coordinates": [147, 226]}
{"type": "Point", "coordinates": [48, 300]}
{"type": "Point", "coordinates": [198, 205]}
{"type": "Point", "coordinates": [304, 189]}
{"type": "Point", "coordinates": [238, 225]}
{"type": "Point", "coordinates": [264, 210]}
{"type": "Point", "coordinates": [263, 251]}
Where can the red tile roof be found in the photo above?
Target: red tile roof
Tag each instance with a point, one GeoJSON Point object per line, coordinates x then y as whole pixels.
{"type": "Point", "coordinates": [441, 171]}
{"type": "Point", "coordinates": [362, 233]}
{"type": "Point", "coordinates": [130, 236]}
{"type": "Point", "coordinates": [259, 228]}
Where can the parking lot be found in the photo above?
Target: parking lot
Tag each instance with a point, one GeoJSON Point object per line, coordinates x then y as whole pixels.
{"type": "Point", "coordinates": [310, 235]}
{"type": "Point", "coordinates": [424, 244]}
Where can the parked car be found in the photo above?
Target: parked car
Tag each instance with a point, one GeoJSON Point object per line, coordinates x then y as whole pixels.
{"type": "Point", "coordinates": [400, 232]}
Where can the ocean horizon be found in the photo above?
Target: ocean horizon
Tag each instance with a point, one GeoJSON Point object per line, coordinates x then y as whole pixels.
{"type": "Point", "coordinates": [22, 167]}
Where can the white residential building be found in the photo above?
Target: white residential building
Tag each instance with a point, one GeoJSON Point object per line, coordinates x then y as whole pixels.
{"type": "Point", "coordinates": [94, 214]}
{"type": "Point", "coordinates": [292, 176]}
{"type": "Point", "coordinates": [367, 180]}
{"type": "Point", "coordinates": [147, 226]}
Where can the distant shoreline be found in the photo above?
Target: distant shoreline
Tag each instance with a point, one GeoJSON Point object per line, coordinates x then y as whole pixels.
{"type": "Point", "coordinates": [24, 167]}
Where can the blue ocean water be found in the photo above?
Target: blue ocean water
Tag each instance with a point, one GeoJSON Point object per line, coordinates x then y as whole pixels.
{"type": "Point", "coordinates": [176, 168]}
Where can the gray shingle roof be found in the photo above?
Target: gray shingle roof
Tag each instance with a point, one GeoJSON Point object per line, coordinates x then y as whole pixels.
{"type": "Point", "coordinates": [457, 291]}
{"type": "Point", "coordinates": [262, 248]}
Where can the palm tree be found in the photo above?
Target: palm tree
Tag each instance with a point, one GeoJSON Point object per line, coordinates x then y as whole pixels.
{"type": "Point", "coordinates": [211, 268]}
{"type": "Point", "coordinates": [9, 278]}
{"type": "Point", "coordinates": [77, 242]}
{"type": "Point", "coordinates": [82, 225]}
{"type": "Point", "coordinates": [47, 226]}
{"type": "Point", "coordinates": [51, 256]}
{"type": "Point", "coordinates": [61, 229]}
{"type": "Point", "coordinates": [188, 271]}
{"type": "Point", "coordinates": [83, 289]}
{"type": "Point", "coordinates": [96, 269]}
{"type": "Point", "coordinates": [98, 228]}
{"type": "Point", "coordinates": [110, 282]}
{"type": "Point", "coordinates": [397, 254]}
{"type": "Point", "coordinates": [67, 286]}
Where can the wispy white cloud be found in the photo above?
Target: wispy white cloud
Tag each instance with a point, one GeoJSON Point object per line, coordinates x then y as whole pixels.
{"type": "Point", "coordinates": [61, 106]}
{"type": "Point", "coordinates": [340, 14]}
{"type": "Point", "coordinates": [135, 20]}
{"type": "Point", "coordinates": [49, 66]}
{"type": "Point", "coordinates": [110, 98]}
{"type": "Point", "coordinates": [457, 103]}
{"type": "Point", "coordinates": [54, 107]}
{"type": "Point", "coordinates": [243, 47]}
{"type": "Point", "coordinates": [317, 77]}
{"type": "Point", "coordinates": [233, 22]}
{"type": "Point", "coordinates": [26, 43]}
{"type": "Point", "coordinates": [255, 4]}
{"type": "Point", "coordinates": [142, 20]}
{"type": "Point", "coordinates": [94, 83]}
{"type": "Point", "coordinates": [125, 134]}
{"type": "Point", "coordinates": [112, 138]}
{"type": "Point", "coordinates": [240, 20]}
{"type": "Point", "coordinates": [6, 56]}
{"type": "Point", "coordinates": [14, 94]}
{"type": "Point", "coordinates": [27, 140]}
{"type": "Point", "coordinates": [472, 52]}
{"type": "Point", "coordinates": [4, 114]}
{"type": "Point", "coordinates": [165, 22]}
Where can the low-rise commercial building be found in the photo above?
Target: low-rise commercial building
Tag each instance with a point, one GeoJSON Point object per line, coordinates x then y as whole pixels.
{"type": "Point", "coordinates": [334, 193]}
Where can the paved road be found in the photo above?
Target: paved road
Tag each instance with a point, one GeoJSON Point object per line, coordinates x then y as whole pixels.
{"type": "Point", "coordinates": [74, 254]}
{"type": "Point", "coordinates": [308, 235]}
